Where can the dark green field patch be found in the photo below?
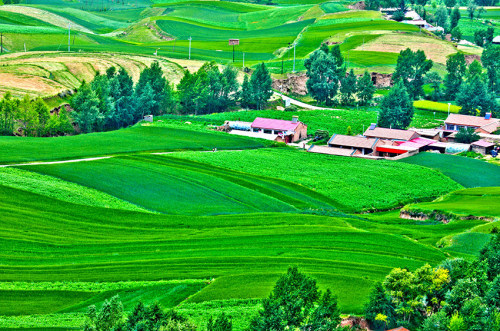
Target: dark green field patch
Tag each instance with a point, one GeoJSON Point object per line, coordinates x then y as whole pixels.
{"type": "Point", "coordinates": [130, 140]}
{"type": "Point", "coordinates": [466, 171]}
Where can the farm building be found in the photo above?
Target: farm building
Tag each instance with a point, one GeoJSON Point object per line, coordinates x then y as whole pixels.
{"type": "Point", "coordinates": [486, 124]}
{"type": "Point", "coordinates": [496, 40]}
{"type": "Point", "coordinates": [289, 131]}
{"type": "Point", "coordinates": [482, 146]}
{"type": "Point", "coordinates": [360, 145]}
{"type": "Point", "coordinates": [390, 134]}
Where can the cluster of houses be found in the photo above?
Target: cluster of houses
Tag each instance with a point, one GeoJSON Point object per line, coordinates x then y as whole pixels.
{"type": "Point", "coordinates": [377, 142]}
{"type": "Point", "coordinates": [414, 19]}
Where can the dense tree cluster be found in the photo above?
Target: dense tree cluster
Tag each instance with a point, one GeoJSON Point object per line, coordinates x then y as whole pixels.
{"type": "Point", "coordinates": [296, 302]}
{"type": "Point", "coordinates": [31, 118]}
{"type": "Point", "coordinates": [458, 295]}
{"type": "Point", "coordinates": [328, 83]}
{"type": "Point", "coordinates": [111, 101]}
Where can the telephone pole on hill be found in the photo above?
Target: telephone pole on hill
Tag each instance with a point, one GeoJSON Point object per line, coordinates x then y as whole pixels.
{"type": "Point", "coordinates": [190, 48]}
{"type": "Point", "coordinates": [294, 44]}
{"type": "Point", "coordinates": [69, 37]}
{"type": "Point", "coordinates": [1, 43]}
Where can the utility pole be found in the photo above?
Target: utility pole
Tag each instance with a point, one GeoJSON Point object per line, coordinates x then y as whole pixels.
{"type": "Point", "coordinates": [69, 37]}
{"type": "Point", "coordinates": [294, 44]}
{"type": "Point", "coordinates": [233, 53]}
{"type": "Point", "coordinates": [282, 65]}
{"type": "Point", "coordinates": [243, 60]}
{"type": "Point", "coordinates": [1, 43]}
{"type": "Point", "coordinates": [190, 48]}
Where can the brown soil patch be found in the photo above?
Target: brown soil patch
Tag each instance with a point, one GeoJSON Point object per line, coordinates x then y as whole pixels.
{"type": "Point", "coordinates": [436, 50]}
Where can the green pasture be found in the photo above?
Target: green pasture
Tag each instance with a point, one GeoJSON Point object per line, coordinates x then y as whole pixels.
{"type": "Point", "coordinates": [477, 202]}
{"type": "Point", "coordinates": [245, 253]}
{"type": "Point", "coordinates": [130, 140]}
{"type": "Point", "coordinates": [352, 182]}
{"type": "Point", "coordinates": [466, 171]}
{"type": "Point", "coordinates": [66, 191]}
{"type": "Point", "coordinates": [162, 184]}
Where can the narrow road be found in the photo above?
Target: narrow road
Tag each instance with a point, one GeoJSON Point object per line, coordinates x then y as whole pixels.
{"type": "Point", "coordinates": [300, 103]}
{"type": "Point", "coordinates": [55, 162]}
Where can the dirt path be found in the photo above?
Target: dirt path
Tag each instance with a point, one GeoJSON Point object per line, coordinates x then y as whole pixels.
{"type": "Point", "coordinates": [300, 103]}
{"type": "Point", "coordinates": [55, 162]}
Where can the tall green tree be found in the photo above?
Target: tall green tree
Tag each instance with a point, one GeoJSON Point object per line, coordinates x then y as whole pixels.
{"type": "Point", "coordinates": [8, 108]}
{"type": "Point", "coordinates": [326, 316]}
{"type": "Point", "coordinates": [348, 88]}
{"type": "Point", "coordinates": [365, 89]}
{"type": "Point", "coordinates": [86, 109]}
{"type": "Point", "coordinates": [396, 109]}
{"type": "Point", "coordinates": [221, 323]}
{"type": "Point", "coordinates": [261, 86]}
{"type": "Point", "coordinates": [454, 18]}
{"type": "Point", "coordinates": [289, 304]}
{"type": "Point", "coordinates": [246, 99]}
{"type": "Point", "coordinates": [456, 68]}
{"type": "Point", "coordinates": [475, 99]}
{"type": "Point", "coordinates": [42, 110]}
{"type": "Point", "coordinates": [27, 117]}
{"type": "Point", "coordinates": [410, 69]}
{"type": "Point", "coordinates": [491, 61]}
{"type": "Point", "coordinates": [379, 303]}
{"type": "Point", "coordinates": [154, 76]}
{"type": "Point", "coordinates": [324, 72]}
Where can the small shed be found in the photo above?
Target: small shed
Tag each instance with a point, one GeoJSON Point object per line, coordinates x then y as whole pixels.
{"type": "Point", "coordinates": [482, 146]}
{"type": "Point", "coordinates": [148, 118]}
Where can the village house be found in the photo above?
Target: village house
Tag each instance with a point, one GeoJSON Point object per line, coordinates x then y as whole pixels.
{"type": "Point", "coordinates": [359, 145]}
{"type": "Point", "coordinates": [289, 131]}
{"type": "Point", "coordinates": [486, 124]}
{"type": "Point", "coordinates": [390, 134]}
{"type": "Point", "coordinates": [482, 146]}
{"type": "Point", "coordinates": [269, 129]}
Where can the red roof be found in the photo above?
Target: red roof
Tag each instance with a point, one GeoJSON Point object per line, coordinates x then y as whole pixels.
{"type": "Point", "coordinates": [399, 329]}
{"type": "Point", "coordinates": [272, 124]}
{"type": "Point", "coordinates": [417, 142]}
{"type": "Point", "coordinates": [483, 143]}
{"type": "Point", "coordinates": [467, 120]}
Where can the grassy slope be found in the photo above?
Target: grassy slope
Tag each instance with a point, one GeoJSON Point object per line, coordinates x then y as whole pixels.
{"type": "Point", "coordinates": [163, 184]}
{"type": "Point", "coordinates": [466, 171]}
{"type": "Point", "coordinates": [245, 253]}
{"type": "Point", "coordinates": [479, 202]}
{"type": "Point", "coordinates": [60, 189]}
{"type": "Point", "coordinates": [131, 140]}
{"type": "Point", "coordinates": [352, 182]}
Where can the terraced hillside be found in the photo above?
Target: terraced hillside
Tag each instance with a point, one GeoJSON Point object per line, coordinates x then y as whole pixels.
{"type": "Point", "coordinates": [266, 32]}
{"type": "Point", "coordinates": [47, 74]}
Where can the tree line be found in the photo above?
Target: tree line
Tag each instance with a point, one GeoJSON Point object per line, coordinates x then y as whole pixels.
{"type": "Point", "coordinates": [31, 118]}
{"type": "Point", "coordinates": [112, 101]}
{"type": "Point", "coordinates": [458, 295]}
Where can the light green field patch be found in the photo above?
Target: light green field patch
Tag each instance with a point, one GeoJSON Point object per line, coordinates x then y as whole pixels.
{"type": "Point", "coordinates": [62, 190]}
{"type": "Point", "coordinates": [435, 106]}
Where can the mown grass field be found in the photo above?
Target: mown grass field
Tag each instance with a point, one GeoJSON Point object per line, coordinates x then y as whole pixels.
{"type": "Point", "coordinates": [466, 171]}
{"type": "Point", "coordinates": [130, 140]}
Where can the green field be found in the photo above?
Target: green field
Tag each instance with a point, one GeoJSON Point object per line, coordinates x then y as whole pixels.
{"type": "Point", "coordinates": [354, 183]}
{"type": "Point", "coordinates": [130, 140]}
{"type": "Point", "coordinates": [477, 202]}
{"type": "Point", "coordinates": [466, 171]}
{"type": "Point", "coordinates": [244, 253]}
